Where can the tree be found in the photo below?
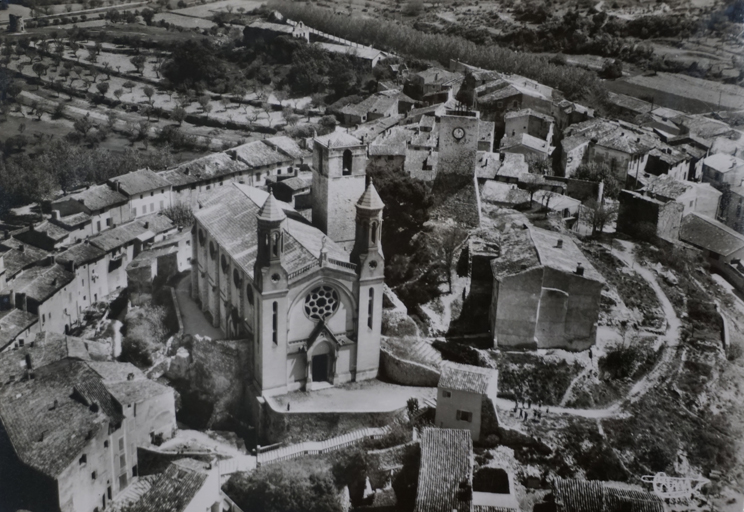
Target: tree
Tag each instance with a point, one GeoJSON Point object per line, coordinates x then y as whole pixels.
{"type": "Point", "coordinates": [451, 238]}
{"type": "Point", "coordinates": [612, 68]}
{"type": "Point", "coordinates": [149, 92]}
{"type": "Point", "coordinates": [36, 108]}
{"type": "Point", "coordinates": [128, 85]}
{"type": "Point", "coordinates": [138, 61]}
{"type": "Point", "coordinates": [600, 173]}
{"type": "Point", "coordinates": [178, 114]}
{"type": "Point", "coordinates": [181, 214]}
{"type": "Point", "coordinates": [267, 108]}
{"type": "Point", "coordinates": [118, 93]}
{"type": "Point", "coordinates": [284, 487]}
{"type": "Point", "coordinates": [40, 69]}
{"type": "Point", "coordinates": [107, 70]}
{"type": "Point", "coordinates": [103, 88]}
{"type": "Point", "coordinates": [83, 124]}
{"type": "Point", "coordinates": [204, 101]}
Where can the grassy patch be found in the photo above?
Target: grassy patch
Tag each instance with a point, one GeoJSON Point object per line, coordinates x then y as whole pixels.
{"type": "Point", "coordinates": [529, 377]}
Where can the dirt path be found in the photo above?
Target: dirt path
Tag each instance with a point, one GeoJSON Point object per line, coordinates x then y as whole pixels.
{"type": "Point", "coordinates": [652, 378]}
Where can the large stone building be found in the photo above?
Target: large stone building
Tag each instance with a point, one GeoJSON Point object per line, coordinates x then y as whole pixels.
{"type": "Point", "coordinates": [310, 308]}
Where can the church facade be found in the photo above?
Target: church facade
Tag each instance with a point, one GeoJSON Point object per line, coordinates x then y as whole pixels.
{"type": "Point", "coordinates": [308, 300]}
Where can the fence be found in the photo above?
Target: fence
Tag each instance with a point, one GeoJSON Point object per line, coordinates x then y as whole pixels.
{"type": "Point", "coordinates": [317, 447]}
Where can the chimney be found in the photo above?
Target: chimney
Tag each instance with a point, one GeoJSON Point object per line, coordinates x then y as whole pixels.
{"type": "Point", "coordinates": [147, 224]}
{"type": "Point", "coordinates": [559, 243]}
{"type": "Point", "coordinates": [579, 269]}
{"type": "Point", "coordinates": [55, 214]}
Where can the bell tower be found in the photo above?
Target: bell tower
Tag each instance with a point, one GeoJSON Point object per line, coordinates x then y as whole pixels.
{"type": "Point", "coordinates": [270, 280]}
{"type": "Point", "coordinates": [370, 262]}
{"type": "Point", "coordinates": [340, 170]}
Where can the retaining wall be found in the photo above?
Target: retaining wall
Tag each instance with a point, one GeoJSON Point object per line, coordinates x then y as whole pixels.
{"type": "Point", "coordinates": [407, 373]}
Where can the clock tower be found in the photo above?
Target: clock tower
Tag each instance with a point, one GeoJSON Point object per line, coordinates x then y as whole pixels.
{"type": "Point", "coordinates": [458, 142]}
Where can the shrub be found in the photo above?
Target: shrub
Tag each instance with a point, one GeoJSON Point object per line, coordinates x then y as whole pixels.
{"type": "Point", "coordinates": [453, 351]}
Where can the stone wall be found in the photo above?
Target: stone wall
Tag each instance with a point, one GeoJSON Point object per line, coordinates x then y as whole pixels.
{"type": "Point", "coordinates": [407, 373]}
{"type": "Point", "coordinates": [294, 427]}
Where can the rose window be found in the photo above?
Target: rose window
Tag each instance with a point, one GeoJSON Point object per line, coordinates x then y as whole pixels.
{"type": "Point", "coordinates": [321, 303]}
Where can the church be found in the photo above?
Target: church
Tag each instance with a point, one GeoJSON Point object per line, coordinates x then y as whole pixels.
{"type": "Point", "coordinates": [307, 297]}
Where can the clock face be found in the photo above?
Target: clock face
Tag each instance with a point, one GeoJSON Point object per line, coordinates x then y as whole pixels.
{"type": "Point", "coordinates": [458, 133]}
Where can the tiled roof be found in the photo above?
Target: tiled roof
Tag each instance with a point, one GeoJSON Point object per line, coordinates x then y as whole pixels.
{"type": "Point", "coordinates": [276, 27]}
{"type": "Point", "coordinates": [288, 146]}
{"type": "Point", "coordinates": [139, 182]}
{"type": "Point", "coordinates": [156, 222]}
{"type": "Point", "coordinates": [113, 372]}
{"type": "Point", "coordinates": [666, 186]}
{"type": "Point", "coordinates": [230, 216]}
{"type": "Point", "coordinates": [362, 52]}
{"type": "Point", "coordinates": [40, 283]}
{"type": "Point", "coordinates": [116, 237]}
{"type": "Point", "coordinates": [12, 323]}
{"type": "Point", "coordinates": [259, 154]}
{"type": "Point", "coordinates": [96, 197]}
{"type": "Point", "coordinates": [56, 233]}
{"type": "Point", "coordinates": [44, 348]}
{"type": "Point", "coordinates": [464, 377]}
{"type": "Point", "coordinates": [81, 253]}
{"type": "Point", "coordinates": [172, 490]}
{"type": "Point", "coordinates": [506, 193]}
{"type": "Point", "coordinates": [136, 391]}
{"type": "Point", "coordinates": [445, 464]}
{"type": "Point", "coordinates": [594, 496]}
{"type": "Point", "coordinates": [338, 139]}
{"type": "Point", "coordinates": [18, 256]}
{"type": "Point", "coordinates": [565, 258]}
{"type": "Point", "coordinates": [47, 437]}
{"type": "Point", "coordinates": [710, 234]}
{"type": "Point", "coordinates": [437, 75]}
{"type": "Point", "coordinates": [498, 95]}
{"type": "Point", "coordinates": [299, 182]}
{"type": "Point", "coordinates": [526, 140]}
{"type": "Point", "coordinates": [210, 166]}
{"type": "Point", "coordinates": [513, 165]}
{"type": "Point", "coordinates": [74, 220]}
{"type": "Point", "coordinates": [415, 161]}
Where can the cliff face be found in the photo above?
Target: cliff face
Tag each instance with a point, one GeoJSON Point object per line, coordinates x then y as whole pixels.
{"type": "Point", "coordinates": [210, 376]}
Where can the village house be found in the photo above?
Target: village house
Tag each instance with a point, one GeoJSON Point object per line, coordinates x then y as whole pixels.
{"type": "Point", "coordinates": [185, 485]}
{"type": "Point", "coordinates": [466, 398]}
{"type": "Point", "coordinates": [146, 191]}
{"type": "Point", "coordinates": [530, 122]}
{"type": "Point", "coordinates": [432, 86]}
{"type": "Point", "coordinates": [527, 145]}
{"type": "Point", "coordinates": [545, 293]}
{"type": "Point", "coordinates": [44, 235]}
{"type": "Point", "coordinates": [720, 169]}
{"type": "Point", "coordinates": [70, 426]}
{"type": "Point", "coordinates": [505, 195]}
{"type": "Point", "coordinates": [91, 268]}
{"type": "Point", "coordinates": [310, 309]}
{"type": "Point", "coordinates": [195, 177]}
{"type": "Point", "coordinates": [101, 205]}
{"type": "Point", "coordinates": [278, 156]}
{"type": "Point", "coordinates": [570, 495]}
{"type": "Point", "coordinates": [694, 197]}
{"type": "Point", "coordinates": [376, 106]}
{"type": "Point", "coordinates": [268, 31]}
{"type": "Point", "coordinates": [445, 482]}
{"type": "Point", "coordinates": [723, 247]}
{"type": "Point", "coordinates": [295, 191]}
{"type": "Point", "coordinates": [645, 217]}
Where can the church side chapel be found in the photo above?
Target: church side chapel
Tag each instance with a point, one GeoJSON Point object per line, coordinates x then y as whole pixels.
{"type": "Point", "coordinates": [308, 299]}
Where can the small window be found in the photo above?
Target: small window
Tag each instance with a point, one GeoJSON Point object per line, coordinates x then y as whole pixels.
{"type": "Point", "coordinates": [105, 444]}
{"type": "Point", "coordinates": [108, 221]}
{"type": "Point", "coordinates": [83, 460]}
{"type": "Point", "coordinates": [446, 394]}
{"type": "Point", "coordinates": [134, 212]}
{"type": "Point", "coordinates": [93, 475]}
{"type": "Point", "coordinates": [464, 416]}
{"type": "Point", "coordinates": [122, 461]}
{"type": "Point", "coordinates": [121, 444]}
{"type": "Point", "coordinates": [152, 207]}
{"type": "Point", "coordinates": [152, 194]}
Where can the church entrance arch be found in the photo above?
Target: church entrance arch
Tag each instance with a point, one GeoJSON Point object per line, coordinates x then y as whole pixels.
{"type": "Point", "coordinates": [320, 368]}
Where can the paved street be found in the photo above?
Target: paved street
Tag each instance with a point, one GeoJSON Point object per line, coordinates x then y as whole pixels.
{"type": "Point", "coordinates": [194, 321]}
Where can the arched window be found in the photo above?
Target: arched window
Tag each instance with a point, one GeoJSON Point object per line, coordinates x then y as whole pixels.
{"type": "Point", "coordinates": [371, 307]}
{"type": "Point", "coordinates": [346, 162]}
{"type": "Point", "coordinates": [373, 233]}
{"type": "Point", "coordinates": [275, 245]}
{"type": "Point", "coordinates": [275, 322]}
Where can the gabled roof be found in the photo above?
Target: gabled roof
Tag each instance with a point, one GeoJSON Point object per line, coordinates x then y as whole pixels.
{"type": "Point", "coordinates": [506, 193]}
{"type": "Point", "coordinates": [139, 182]}
{"type": "Point", "coordinates": [724, 163]}
{"type": "Point", "coordinates": [96, 197]}
{"type": "Point", "coordinates": [18, 256]}
{"type": "Point", "coordinates": [565, 258]}
{"type": "Point", "coordinates": [231, 217]}
{"type": "Point", "coordinates": [446, 464]}
{"type": "Point", "coordinates": [287, 145]}
{"type": "Point", "coordinates": [667, 187]}
{"type": "Point", "coordinates": [300, 182]}
{"type": "Point", "coordinates": [710, 234]}
{"type": "Point", "coordinates": [12, 323]}
{"type": "Point", "coordinates": [81, 253]}
{"type": "Point", "coordinates": [142, 228]}
{"type": "Point", "coordinates": [464, 377]}
{"type": "Point", "coordinates": [40, 283]}
{"type": "Point", "coordinates": [172, 490]}
{"type": "Point", "coordinates": [528, 141]}
{"type": "Point", "coordinates": [594, 496]}
{"type": "Point", "coordinates": [529, 112]}
{"type": "Point", "coordinates": [210, 166]}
